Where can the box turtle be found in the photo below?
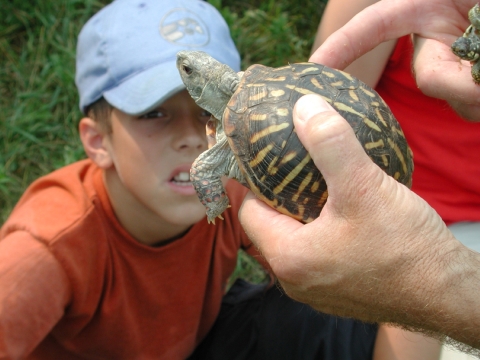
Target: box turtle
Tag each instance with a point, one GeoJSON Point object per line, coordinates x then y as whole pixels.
{"type": "Point", "coordinates": [255, 140]}
{"type": "Point", "coordinates": [467, 47]}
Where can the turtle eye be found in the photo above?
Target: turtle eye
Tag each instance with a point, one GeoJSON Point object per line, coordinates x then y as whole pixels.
{"type": "Point", "coordinates": [187, 70]}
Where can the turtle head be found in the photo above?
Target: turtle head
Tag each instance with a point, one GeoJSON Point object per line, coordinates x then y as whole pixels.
{"type": "Point", "coordinates": [209, 82]}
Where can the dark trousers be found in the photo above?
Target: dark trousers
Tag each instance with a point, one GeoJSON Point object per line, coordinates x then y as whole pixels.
{"type": "Point", "coordinates": [260, 323]}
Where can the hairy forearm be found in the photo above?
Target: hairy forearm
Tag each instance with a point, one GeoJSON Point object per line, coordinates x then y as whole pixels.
{"type": "Point", "coordinates": [439, 297]}
{"type": "Point", "coordinates": [456, 308]}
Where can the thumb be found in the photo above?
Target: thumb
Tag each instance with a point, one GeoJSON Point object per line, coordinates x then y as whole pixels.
{"type": "Point", "coordinates": [331, 142]}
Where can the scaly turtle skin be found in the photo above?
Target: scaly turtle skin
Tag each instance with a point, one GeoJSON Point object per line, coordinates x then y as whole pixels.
{"type": "Point", "coordinates": [467, 47]}
{"type": "Point", "coordinates": [256, 143]}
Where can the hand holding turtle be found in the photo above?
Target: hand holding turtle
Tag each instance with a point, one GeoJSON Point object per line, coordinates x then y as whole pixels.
{"type": "Point", "coordinates": [377, 252]}
{"type": "Point", "coordinates": [436, 24]}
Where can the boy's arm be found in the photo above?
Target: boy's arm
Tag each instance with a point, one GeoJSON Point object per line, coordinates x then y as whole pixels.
{"type": "Point", "coordinates": [33, 294]}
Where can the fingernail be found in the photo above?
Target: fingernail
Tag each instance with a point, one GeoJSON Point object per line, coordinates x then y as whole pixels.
{"type": "Point", "coordinates": [310, 105]}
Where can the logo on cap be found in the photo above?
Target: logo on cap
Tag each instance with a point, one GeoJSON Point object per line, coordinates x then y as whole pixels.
{"type": "Point", "coordinates": [183, 27]}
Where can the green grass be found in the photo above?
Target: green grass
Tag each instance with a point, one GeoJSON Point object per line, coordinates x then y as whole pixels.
{"type": "Point", "coordinates": [38, 99]}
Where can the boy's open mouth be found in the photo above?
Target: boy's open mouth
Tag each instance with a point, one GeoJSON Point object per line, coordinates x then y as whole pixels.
{"type": "Point", "coordinates": [182, 178]}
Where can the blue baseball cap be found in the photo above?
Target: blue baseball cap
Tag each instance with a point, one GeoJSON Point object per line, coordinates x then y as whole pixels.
{"type": "Point", "coordinates": [127, 51]}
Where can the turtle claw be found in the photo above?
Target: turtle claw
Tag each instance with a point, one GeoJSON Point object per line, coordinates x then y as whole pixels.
{"type": "Point", "coordinates": [212, 221]}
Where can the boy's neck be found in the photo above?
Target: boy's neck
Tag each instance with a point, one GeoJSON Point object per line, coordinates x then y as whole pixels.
{"type": "Point", "coordinates": [144, 225]}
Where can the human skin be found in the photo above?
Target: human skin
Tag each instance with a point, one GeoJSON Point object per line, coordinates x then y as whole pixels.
{"type": "Point", "coordinates": [369, 68]}
{"type": "Point", "coordinates": [141, 157]}
{"type": "Point", "coordinates": [377, 252]}
{"type": "Point", "coordinates": [435, 24]}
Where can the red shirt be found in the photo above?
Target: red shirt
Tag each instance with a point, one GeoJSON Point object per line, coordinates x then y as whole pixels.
{"type": "Point", "coordinates": [75, 274]}
{"type": "Point", "coordinates": [446, 148]}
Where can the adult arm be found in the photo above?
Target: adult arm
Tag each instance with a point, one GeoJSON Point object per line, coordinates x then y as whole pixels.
{"type": "Point", "coordinates": [369, 67]}
{"type": "Point", "coordinates": [377, 252]}
{"type": "Point", "coordinates": [436, 25]}
{"type": "Point", "coordinates": [33, 294]}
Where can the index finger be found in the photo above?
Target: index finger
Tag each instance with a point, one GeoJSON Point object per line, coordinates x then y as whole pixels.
{"type": "Point", "coordinates": [391, 19]}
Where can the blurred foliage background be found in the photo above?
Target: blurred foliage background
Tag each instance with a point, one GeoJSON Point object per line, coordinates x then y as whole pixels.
{"type": "Point", "coordinates": [38, 99]}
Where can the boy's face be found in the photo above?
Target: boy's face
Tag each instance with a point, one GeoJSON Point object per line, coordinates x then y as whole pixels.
{"type": "Point", "coordinates": [149, 178]}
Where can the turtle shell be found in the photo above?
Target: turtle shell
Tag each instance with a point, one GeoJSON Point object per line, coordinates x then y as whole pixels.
{"type": "Point", "coordinates": [259, 126]}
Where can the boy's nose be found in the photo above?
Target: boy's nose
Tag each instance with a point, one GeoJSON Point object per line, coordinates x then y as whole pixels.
{"type": "Point", "coordinates": [191, 134]}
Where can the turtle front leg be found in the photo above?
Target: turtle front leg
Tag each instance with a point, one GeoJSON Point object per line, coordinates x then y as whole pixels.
{"type": "Point", "coordinates": [206, 175]}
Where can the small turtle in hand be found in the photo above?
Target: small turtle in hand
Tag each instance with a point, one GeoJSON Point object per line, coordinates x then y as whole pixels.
{"type": "Point", "coordinates": [256, 142]}
{"type": "Point", "coordinates": [467, 47]}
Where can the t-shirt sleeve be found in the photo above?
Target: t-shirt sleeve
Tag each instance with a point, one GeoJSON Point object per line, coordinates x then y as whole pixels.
{"type": "Point", "coordinates": [34, 291]}
{"type": "Point", "coordinates": [236, 193]}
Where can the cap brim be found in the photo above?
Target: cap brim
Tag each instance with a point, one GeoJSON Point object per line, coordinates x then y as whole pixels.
{"type": "Point", "coordinates": [146, 90]}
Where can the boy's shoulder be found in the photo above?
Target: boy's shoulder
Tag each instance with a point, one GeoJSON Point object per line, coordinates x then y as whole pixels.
{"type": "Point", "coordinates": [55, 201]}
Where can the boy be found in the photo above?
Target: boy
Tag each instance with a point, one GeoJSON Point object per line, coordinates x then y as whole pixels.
{"type": "Point", "coordinates": [112, 257]}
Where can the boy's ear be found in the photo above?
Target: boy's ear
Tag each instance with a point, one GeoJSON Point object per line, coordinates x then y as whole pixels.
{"type": "Point", "coordinates": [93, 142]}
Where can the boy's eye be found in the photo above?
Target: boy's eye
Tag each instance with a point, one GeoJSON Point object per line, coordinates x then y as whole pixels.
{"type": "Point", "coordinates": [152, 115]}
{"type": "Point", "coordinates": [205, 116]}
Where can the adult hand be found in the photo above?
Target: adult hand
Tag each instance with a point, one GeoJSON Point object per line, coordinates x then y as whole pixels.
{"type": "Point", "coordinates": [436, 24]}
{"type": "Point", "coordinates": [377, 252]}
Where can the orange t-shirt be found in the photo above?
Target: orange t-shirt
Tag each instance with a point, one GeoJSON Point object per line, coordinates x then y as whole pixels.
{"type": "Point", "coordinates": [74, 283]}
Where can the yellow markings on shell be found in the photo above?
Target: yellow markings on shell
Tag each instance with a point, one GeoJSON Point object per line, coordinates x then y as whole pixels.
{"type": "Point", "coordinates": [328, 74]}
{"type": "Point", "coordinates": [279, 92]}
{"type": "Point", "coordinates": [292, 175]}
{"type": "Point", "coordinates": [282, 112]}
{"type": "Point", "coordinates": [309, 220]}
{"type": "Point", "coordinates": [302, 186]}
{"type": "Point", "coordinates": [399, 155]}
{"type": "Point", "coordinates": [309, 69]}
{"type": "Point", "coordinates": [256, 85]}
{"type": "Point", "coordinates": [272, 170]}
{"type": "Point", "coordinates": [280, 78]}
{"type": "Point", "coordinates": [371, 124]}
{"type": "Point", "coordinates": [323, 198]}
{"type": "Point", "coordinates": [315, 186]}
{"type": "Point", "coordinates": [337, 83]}
{"type": "Point", "coordinates": [261, 155]}
{"type": "Point", "coordinates": [380, 117]}
{"type": "Point", "coordinates": [353, 95]}
{"type": "Point", "coordinates": [316, 83]}
{"type": "Point", "coordinates": [300, 90]}
{"type": "Point", "coordinates": [347, 75]}
{"type": "Point", "coordinates": [269, 130]}
{"type": "Point", "coordinates": [301, 211]}
{"type": "Point", "coordinates": [345, 107]}
{"type": "Point", "coordinates": [288, 157]}
{"type": "Point", "coordinates": [368, 92]}
{"type": "Point", "coordinates": [396, 176]}
{"type": "Point", "coordinates": [374, 144]}
{"type": "Point", "coordinates": [398, 131]}
{"type": "Point", "coordinates": [258, 96]}
{"type": "Point", "coordinates": [258, 117]}
{"type": "Point", "coordinates": [385, 160]}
